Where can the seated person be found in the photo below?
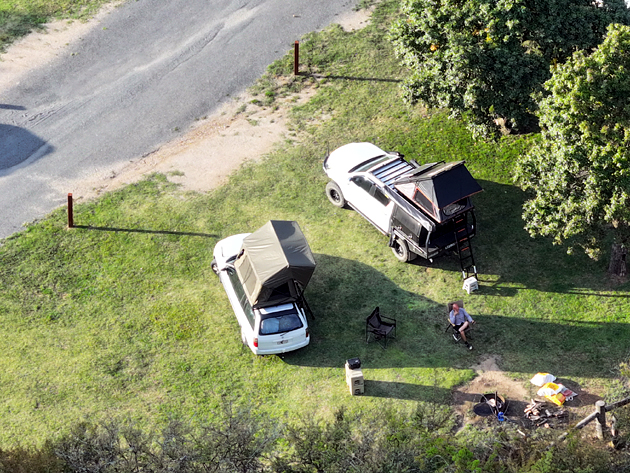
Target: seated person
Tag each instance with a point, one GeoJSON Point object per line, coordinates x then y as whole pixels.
{"type": "Point", "coordinates": [461, 320]}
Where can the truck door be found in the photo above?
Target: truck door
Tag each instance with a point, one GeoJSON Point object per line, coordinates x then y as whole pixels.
{"type": "Point", "coordinates": [369, 200]}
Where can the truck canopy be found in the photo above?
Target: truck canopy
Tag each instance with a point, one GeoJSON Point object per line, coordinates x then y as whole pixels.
{"type": "Point", "coordinates": [441, 189]}
{"type": "Point", "coordinates": [275, 264]}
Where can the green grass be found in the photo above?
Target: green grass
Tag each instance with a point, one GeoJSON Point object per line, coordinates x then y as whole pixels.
{"type": "Point", "coordinates": [123, 317]}
{"type": "Point", "coordinates": [20, 17]}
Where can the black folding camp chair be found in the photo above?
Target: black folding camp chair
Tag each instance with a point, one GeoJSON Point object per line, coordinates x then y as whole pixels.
{"type": "Point", "coordinates": [380, 327]}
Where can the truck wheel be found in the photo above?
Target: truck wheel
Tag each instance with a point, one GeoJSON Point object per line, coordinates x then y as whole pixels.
{"type": "Point", "coordinates": [334, 194]}
{"type": "Point", "coordinates": [214, 267]}
{"type": "Point", "coordinates": [401, 251]}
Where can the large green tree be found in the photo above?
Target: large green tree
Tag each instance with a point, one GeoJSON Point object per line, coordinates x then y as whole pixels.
{"type": "Point", "coordinates": [482, 59]}
{"type": "Point", "coordinates": [579, 173]}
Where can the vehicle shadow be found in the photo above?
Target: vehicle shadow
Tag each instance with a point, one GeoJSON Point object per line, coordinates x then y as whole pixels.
{"type": "Point", "coordinates": [343, 293]}
{"type": "Point", "coordinates": [18, 145]}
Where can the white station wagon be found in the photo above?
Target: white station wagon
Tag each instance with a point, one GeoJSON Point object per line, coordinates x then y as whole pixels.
{"type": "Point", "coordinates": [264, 275]}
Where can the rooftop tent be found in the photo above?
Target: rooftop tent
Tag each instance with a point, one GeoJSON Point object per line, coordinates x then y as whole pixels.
{"type": "Point", "coordinates": [435, 186]}
{"type": "Point", "coordinates": [275, 263]}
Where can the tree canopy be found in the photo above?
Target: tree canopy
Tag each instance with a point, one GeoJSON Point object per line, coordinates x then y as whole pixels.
{"type": "Point", "coordinates": [482, 59]}
{"type": "Point", "coordinates": [579, 172]}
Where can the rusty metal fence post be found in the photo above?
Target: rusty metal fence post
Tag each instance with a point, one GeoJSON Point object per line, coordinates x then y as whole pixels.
{"type": "Point", "coordinates": [296, 58]}
{"type": "Point", "coordinates": [70, 215]}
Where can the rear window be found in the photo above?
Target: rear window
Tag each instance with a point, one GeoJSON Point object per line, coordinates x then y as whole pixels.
{"type": "Point", "coordinates": [280, 322]}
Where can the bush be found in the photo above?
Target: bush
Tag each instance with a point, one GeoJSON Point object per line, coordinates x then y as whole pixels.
{"type": "Point", "coordinates": [425, 439]}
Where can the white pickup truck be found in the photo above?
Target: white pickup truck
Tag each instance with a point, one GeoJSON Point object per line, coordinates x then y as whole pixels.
{"type": "Point", "coordinates": [425, 209]}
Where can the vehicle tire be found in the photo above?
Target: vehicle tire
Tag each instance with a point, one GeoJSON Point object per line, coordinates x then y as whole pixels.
{"type": "Point", "coordinates": [401, 251]}
{"type": "Point", "coordinates": [334, 194]}
{"type": "Point", "coordinates": [214, 267]}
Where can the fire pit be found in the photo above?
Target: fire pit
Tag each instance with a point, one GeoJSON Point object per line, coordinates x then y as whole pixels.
{"type": "Point", "coordinates": [490, 405]}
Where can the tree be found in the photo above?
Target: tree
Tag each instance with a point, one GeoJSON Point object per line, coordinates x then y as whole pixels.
{"type": "Point", "coordinates": [482, 59]}
{"type": "Point", "coordinates": [579, 173]}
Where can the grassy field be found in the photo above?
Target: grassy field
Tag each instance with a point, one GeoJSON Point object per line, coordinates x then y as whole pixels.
{"type": "Point", "coordinates": [20, 17]}
{"type": "Point", "coordinates": [123, 317]}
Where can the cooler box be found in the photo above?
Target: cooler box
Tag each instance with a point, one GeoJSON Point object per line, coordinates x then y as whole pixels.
{"type": "Point", "coordinates": [355, 380]}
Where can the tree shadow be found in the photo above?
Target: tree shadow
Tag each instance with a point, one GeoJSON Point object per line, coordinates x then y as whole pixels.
{"type": "Point", "coordinates": [343, 293]}
{"type": "Point", "coordinates": [407, 391]}
{"type": "Point", "coordinates": [18, 145]}
{"type": "Point", "coordinates": [437, 395]}
{"type": "Point", "coordinates": [508, 259]}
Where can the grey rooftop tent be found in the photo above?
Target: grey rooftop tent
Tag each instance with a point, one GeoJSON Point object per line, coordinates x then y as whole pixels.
{"type": "Point", "coordinates": [439, 188]}
{"type": "Point", "coordinates": [275, 264]}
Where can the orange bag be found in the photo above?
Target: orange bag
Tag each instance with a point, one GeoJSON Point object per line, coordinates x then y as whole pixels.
{"type": "Point", "coordinates": [557, 398]}
{"type": "Point", "coordinates": [553, 393]}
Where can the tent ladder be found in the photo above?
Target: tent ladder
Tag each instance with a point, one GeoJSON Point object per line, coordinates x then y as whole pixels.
{"type": "Point", "coordinates": [464, 246]}
{"type": "Point", "coordinates": [302, 301]}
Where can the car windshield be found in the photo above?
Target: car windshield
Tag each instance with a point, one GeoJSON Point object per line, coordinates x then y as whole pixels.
{"type": "Point", "coordinates": [365, 165]}
{"type": "Point", "coordinates": [280, 322]}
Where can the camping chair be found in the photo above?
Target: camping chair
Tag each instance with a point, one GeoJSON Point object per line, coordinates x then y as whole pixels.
{"type": "Point", "coordinates": [380, 326]}
{"type": "Point", "coordinates": [454, 332]}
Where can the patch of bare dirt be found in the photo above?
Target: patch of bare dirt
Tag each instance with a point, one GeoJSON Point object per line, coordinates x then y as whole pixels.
{"type": "Point", "coordinates": [355, 20]}
{"type": "Point", "coordinates": [490, 378]}
{"type": "Point", "coordinates": [204, 157]}
{"type": "Point", "coordinates": [518, 393]}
